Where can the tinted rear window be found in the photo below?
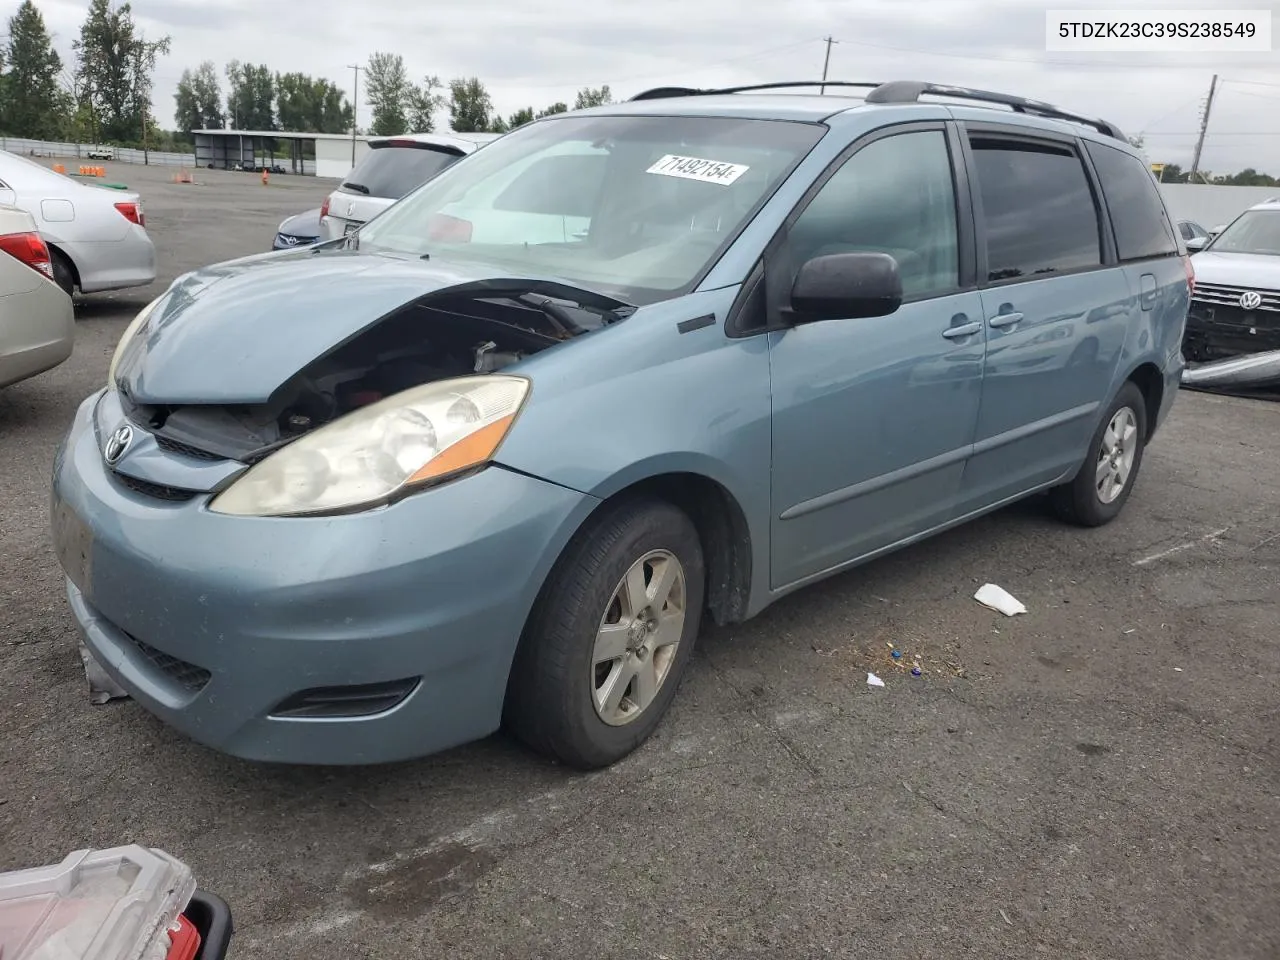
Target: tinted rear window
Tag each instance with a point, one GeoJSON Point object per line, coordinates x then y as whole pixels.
{"type": "Point", "coordinates": [1038, 211]}
{"type": "Point", "coordinates": [392, 172]}
{"type": "Point", "coordinates": [1133, 199]}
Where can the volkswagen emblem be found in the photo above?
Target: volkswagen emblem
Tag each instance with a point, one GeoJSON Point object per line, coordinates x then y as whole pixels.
{"type": "Point", "coordinates": [117, 444]}
{"type": "Point", "coordinates": [1250, 300]}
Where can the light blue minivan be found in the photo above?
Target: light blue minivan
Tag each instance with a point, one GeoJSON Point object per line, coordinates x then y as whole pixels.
{"type": "Point", "coordinates": [493, 457]}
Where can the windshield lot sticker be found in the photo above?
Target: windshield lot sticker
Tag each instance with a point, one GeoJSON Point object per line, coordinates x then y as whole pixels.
{"type": "Point", "coordinates": [694, 168]}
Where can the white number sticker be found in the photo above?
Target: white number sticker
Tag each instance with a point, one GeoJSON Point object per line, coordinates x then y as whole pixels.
{"type": "Point", "coordinates": [695, 168]}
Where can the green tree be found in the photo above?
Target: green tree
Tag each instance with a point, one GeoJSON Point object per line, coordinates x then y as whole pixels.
{"type": "Point", "coordinates": [424, 102]}
{"type": "Point", "coordinates": [390, 94]}
{"type": "Point", "coordinates": [469, 106]}
{"type": "Point", "coordinates": [587, 97]}
{"type": "Point", "coordinates": [33, 106]}
{"type": "Point", "coordinates": [558, 107]}
{"type": "Point", "coordinates": [114, 66]}
{"type": "Point", "coordinates": [333, 109]}
{"type": "Point", "coordinates": [520, 118]}
{"type": "Point", "coordinates": [198, 100]}
{"type": "Point", "coordinates": [251, 93]}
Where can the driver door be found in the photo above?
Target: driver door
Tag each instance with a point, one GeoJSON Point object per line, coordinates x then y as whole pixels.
{"type": "Point", "coordinates": [874, 418]}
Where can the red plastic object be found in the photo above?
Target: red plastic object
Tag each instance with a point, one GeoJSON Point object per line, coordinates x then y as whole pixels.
{"type": "Point", "coordinates": [132, 212]}
{"type": "Point", "coordinates": [446, 229]}
{"type": "Point", "coordinates": [30, 248]}
{"type": "Point", "coordinates": [184, 940]}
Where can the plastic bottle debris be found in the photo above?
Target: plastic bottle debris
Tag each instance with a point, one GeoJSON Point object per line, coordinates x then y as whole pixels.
{"type": "Point", "coordinates": [915, 671]}
{"type": "Point", "coordinates": [999, 599]}
{"type": "Point", "coordinates": [874, 681]}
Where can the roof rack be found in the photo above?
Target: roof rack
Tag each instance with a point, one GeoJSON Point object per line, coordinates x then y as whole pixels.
{"type": "Point", "coordinates": [905, 91]}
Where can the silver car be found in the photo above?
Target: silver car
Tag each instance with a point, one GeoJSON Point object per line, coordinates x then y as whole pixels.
{"type": "Point", "coordinates": [97, 237]}
{"type": "Point", "coordinates": [390, 169]}
{"type": "Point", "coordinates": [37, 323]}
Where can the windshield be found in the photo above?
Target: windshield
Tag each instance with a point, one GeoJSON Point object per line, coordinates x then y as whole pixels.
{"type": "Point", "coordinates": [636, 207]}
{"type": "Point", "coordinates": [1256, 231]}
{"type": "Point", "coordinates": [391, 172]}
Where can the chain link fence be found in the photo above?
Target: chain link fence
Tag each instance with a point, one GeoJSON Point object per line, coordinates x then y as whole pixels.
{"type": "Point", "coordinates": [80, 151]}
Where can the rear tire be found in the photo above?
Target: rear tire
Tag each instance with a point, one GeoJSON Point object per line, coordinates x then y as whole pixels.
{"type": "Point", "coordinates": [1106, 478]}
{"type": "Point", "coordinates": [63, 275]}
{"type": "Point", "coordinates": [610, 636]}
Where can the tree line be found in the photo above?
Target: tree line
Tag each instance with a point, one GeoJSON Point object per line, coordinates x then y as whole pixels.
{"type": "Point", "coordinates": [104, 94]}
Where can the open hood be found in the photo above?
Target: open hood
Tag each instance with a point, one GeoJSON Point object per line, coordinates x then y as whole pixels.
{"type": "Point", "coordinates": [235, 332]}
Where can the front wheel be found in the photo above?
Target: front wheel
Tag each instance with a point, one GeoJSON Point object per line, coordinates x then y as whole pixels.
{"type": "Point", "coordinates": [1099, 491]}
{"type": "Point", "coordinates": [610, 636]}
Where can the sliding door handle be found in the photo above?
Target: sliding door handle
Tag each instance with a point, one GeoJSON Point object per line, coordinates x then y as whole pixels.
{"type": "Point", "coordinates": [1005, 319]}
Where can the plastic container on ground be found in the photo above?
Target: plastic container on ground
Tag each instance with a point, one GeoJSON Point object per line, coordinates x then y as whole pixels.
{"type": "Point", "coordinates": [115, 904]}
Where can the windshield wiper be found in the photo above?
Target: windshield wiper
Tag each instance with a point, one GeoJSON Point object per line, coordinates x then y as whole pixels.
{"type": "Point", "coordinates": [357, 187]}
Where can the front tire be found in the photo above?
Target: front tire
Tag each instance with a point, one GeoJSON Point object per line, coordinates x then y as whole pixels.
{"type": "Point", "coordinates": [610, 636]}
{"type": "Point", "coordinates": [1102, 487]}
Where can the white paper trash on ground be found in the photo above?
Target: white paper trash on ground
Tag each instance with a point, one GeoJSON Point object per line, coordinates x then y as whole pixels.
{"type": "Point", "coordinates": [997, 598]}
{"type": "Point", "coordinates": [101, 687]}
{"type": "Point", "coordinates": [874, 681]}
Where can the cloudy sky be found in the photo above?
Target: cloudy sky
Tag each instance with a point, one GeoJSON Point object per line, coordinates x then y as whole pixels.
{"type": "Point", "coordinates": [539, 51]}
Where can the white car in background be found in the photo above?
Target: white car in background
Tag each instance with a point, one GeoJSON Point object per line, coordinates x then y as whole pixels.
{"type": "Point", "coordinates": [390, 169]}
{"type": "Point", "coordinates": [97, 236]}
{"type": "Point", "coordinates": [37, 322]}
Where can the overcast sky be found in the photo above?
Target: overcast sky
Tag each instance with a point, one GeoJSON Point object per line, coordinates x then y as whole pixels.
{"type": "Point", "coordinates": [532, 54]}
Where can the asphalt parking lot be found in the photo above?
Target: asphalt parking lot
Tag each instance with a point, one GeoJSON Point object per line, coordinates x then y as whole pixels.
{"type": "Point", "coordinates": [1097, 778]}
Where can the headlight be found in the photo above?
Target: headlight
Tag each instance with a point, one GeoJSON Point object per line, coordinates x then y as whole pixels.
{"type": "Point", "coordinates": [369, 456]}
{"type": "Point", "coordinates": [125, 337]}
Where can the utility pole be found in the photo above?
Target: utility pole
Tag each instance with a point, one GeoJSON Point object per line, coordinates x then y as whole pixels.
{"type": "Point", "coordinates": [355, 109]}
{"type": "Point", "coordinates": [826, 63]}
{"type": "Point", "coordinates": [1204, 126]}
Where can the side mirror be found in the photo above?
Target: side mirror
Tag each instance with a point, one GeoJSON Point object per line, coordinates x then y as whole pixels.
{"type": "Point", "coordinates": [846, 285]}
{"type": "Point", "coordinates": [1197, 243]}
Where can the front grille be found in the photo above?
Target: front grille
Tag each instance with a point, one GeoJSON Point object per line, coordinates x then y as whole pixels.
{"type": "Point", "coordinates": [184, 449]}
{"type": "Point", "coordinates": [186, 675]}
{"type": "Point", "coordinates": [1227, 295]}
{"type": "Point", "coordinates": [155, 490]}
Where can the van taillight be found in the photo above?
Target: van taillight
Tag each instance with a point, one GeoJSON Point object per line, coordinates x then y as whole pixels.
{"type": "Point", "coordinates": [1191, 275]}
{"type": "Point", "coordinates": [132, 212]}
{"type": "Point", "coordinates": [30, 248]}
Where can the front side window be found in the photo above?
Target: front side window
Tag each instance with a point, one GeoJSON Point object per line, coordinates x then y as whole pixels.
{"type": "Point", "coordinates": [634, 206]}
{"type": "Point", "coordinates": [1039, 215]}
{"type": "Point", "coordinates": [1255, 231]}
{"type": "Point", "coordinates": [1133, 200]}
{"type": "Point", "coordinates": [894, 196]}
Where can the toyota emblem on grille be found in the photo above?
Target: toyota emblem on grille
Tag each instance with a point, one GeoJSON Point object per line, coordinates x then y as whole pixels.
{"type": "Point", "coordinates": [1250, 300]}
{"type": "Point", "coordinates": [288, 239]}
{"type": "Point", "coordinates": [117, 444]}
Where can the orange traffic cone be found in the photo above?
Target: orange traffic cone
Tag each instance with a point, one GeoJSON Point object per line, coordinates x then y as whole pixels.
{"type": "Point", "coordinates": [264, 176]}
{"type": "Point", "coordinates": [59, 168]}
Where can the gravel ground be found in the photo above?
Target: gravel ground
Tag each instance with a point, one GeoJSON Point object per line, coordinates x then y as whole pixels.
{"type": "Point", "coordinates": [1098, 778]}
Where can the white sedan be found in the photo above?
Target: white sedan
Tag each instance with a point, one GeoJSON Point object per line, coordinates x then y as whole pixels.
{"type": "Point", "coordinates": [37, 324]}
{"type": "Point", "coordinates": [97, 236]}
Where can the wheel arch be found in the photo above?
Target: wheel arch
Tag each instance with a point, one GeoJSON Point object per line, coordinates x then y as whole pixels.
{"type": "Point", "coordinates": [56, 250]}
{"type": "Point", "coordinates": [1146, 376]}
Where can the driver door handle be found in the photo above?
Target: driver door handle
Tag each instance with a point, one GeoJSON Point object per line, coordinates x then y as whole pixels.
{"type": "Point", "coordinates": [1005, 319]}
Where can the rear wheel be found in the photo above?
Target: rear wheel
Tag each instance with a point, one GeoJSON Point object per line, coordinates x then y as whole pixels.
{"type": "Point", "coordinates": [610, 636]}
{"type": "Point", "coordinates": [1099, 491]}
{"type": "Point", "coordinates": [63, 275]}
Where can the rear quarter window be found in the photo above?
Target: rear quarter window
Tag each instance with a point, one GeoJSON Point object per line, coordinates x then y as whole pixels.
{"type": "Point", "coordinates": [1138, 216]}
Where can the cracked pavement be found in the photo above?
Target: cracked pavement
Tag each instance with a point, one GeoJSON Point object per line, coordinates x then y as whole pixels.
{"type": "Point", "coordinates": [1097, 778]}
